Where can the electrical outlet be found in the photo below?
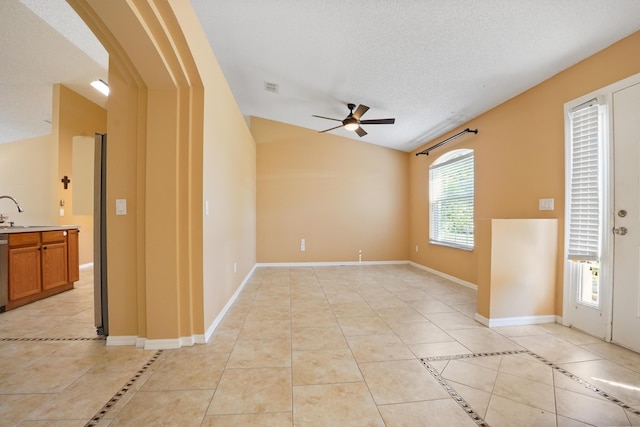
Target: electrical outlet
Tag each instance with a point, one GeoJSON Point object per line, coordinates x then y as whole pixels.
{"type": "Point", "coordinates": [303, 245]}
{"type": "Point", "coordinates": [417, 248]}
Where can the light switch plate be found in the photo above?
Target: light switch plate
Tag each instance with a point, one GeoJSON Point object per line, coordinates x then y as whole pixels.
{"type": "Point", "coordinates": [546, 205]}
{"type": "Point", "coordinates": [121, 206]}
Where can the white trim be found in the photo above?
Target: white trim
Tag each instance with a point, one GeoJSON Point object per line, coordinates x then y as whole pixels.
{"type": "Point", "coordinates": [85, 266]}
{"type": "Point", "coordinates": [446, 276]}
{"type": "Point", "coordinates": [516, 321]}
{"type": "Point", "coordinates": [121, 340]}
{"type": "Point", "coordinates": [212, 327]}
{"type": "Point", "coordinates": [140, 342]}
{"type": "Point", "coordinates": [328, 264]}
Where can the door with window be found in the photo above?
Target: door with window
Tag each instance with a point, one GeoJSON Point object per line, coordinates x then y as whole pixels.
{"type": "Point", "coordinates": [587, 262]}
{"type": "Point", "coordinates": [603, 214]}
{"type": "Point", "coordinates": [625, 326]}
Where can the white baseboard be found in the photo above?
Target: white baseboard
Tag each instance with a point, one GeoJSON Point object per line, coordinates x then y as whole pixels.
{"type": "Point", "coordinates": [212, 327]}
{"type": "Point", "coordinates": [446, 276]}
{"type": "Point", "coordinates": [328, 264]}
{"type": "Point", "coordinates": [85, 266]}
{"type": "Point", "coordinates": [121, 340]}
{"type": "Point", "coordinates": [515, 321]}
{"type": "Point", "coordinates": [163, 344]}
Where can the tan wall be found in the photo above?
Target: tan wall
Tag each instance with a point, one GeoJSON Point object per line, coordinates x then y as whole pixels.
{"type": "Point", "coordinates": [518, 267]}
{"type": "Point", "coordinates": [228, 162]}
{"type": "Point", "coordinates": [74, 115]}
{"type": "Point", "coordinates": [171, 145]}
{"type": "Point", "coordinates": [342, 196]}
{"type": "Point", "coordinates": [519, 158]}
{"type": "Point", "coordinates": [28, 172]}
{"type": "Point", "coordinates": [31, 170]}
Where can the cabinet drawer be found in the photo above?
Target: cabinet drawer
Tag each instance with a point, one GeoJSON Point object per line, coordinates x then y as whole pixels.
{"type": "Point", "coordinates": [24, 239]}
{"type": "Point", "coordinates": [54, 236]}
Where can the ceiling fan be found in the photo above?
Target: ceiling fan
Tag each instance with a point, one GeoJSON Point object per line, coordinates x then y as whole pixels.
{"type": "Point", "coordinates": [353, 122]}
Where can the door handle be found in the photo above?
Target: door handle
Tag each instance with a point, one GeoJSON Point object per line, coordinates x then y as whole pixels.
{"type": "Point", "coordinates": [620, 231]}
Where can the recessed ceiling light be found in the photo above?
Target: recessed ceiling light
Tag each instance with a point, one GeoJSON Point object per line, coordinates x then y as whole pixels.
{"type": "Point", "coordinates": [101, 86]}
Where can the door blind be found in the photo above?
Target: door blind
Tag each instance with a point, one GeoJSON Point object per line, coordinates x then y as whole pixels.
{"type": "Point", "coordinates": [585, 188]}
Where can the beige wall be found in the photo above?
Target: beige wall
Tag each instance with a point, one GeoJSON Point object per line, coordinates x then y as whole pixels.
{"type": "Point", "coordinates": [176, 138]}
{"type": "Point", "coordinates": [74, 115]}
{"type": "Point", "coordinates": [31, 170]}
{"type": "Point", "coordinates": [519, 158]}
{"type": "Point", "coordinates": [342, 196]}
{"type": "Point", "coordinates": [28, 172]}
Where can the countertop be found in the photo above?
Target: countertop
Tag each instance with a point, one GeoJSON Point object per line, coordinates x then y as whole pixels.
{"type": "Point", "coordinates": [35, 228]}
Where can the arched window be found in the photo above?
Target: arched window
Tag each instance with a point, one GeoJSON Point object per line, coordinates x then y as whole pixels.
{"type": "Point", "coordinates": [451, 190]}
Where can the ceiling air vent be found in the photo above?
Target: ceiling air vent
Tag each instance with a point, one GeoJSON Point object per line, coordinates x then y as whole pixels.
{"type": "Point", "coordinates": [271, 87]}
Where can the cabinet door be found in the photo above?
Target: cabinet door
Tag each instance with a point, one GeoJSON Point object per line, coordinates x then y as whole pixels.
{"type": "Point", "coordinates": [73, 256]}
{"type": "Point", "coordinates": [24, 272]}
{"type": "Point", "coordinates": [54, 265]}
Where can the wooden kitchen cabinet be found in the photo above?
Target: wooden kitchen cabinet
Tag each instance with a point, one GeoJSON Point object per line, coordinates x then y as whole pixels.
{"type": "Point", "coordinates": [73, 255]}
{"type": "Point", "coordinates": [41, 264]}
{"type": "Point", "coordinates": [54, 259]}
{"type": "Point", "coordinates": [24, 265]}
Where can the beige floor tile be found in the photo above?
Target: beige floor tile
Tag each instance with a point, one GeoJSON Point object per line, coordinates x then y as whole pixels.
{"type": "Point", "coordinates": [454, 320]}
{"type": "Point", "coordinates": [568, 422]}
{"type": "Point", "coordinates": [589, 410]}
{"type": "Point", "coordinates": [527, 392]}
{"type": "Point", "coordinates": [148, 408]}
{"type": "Point", "coordinates": [277, 419]}
{"type": "Point", "coordinates": [56, 423]}
{"type": "Point", "coordinates": [248, 391]}
{"type": "Point", "coordinates": [399, 315]}
{"type": "Point", "coordinates": [83, 398]}
{"type": "Point", "coordinates": [324, 367]}
{"type": "Point", "coordinates": [483, 340]}
{"type": "Point", "coordinates": [420, 332]}
{"type": "Point", "coordinates": [318, 338]}
{"type": "Point", "coordinates": [379, 347]}
{"type": "Point", "coordinates": [525, 366]}
{"type": "Point", "coordinates": [260, 354]}
{"type": "Point", "coordinates": [265, 329]}
{"type": "Point", "coordinates": [619, 355]}
{"type": "Point", "coordinates": [390, 301]}
{"type": "Point", "coordinates": [15, 407]}
{"type": "Point", "coordinates": [620, 382]}
{"type": "Point", "coordinates": [400, 381]}
{"type": "Point", "coordinates": [506, 413]}
{"type": "Point", "coordinates": [477, 399]}
{"type": "Point", "coordinates": [344, 405]}
{"type": "Point", "coordinates": [435, 349]}
{"type": "Point", "coordinates": [431, 306]}
{"type": "Point", "coordinates": [555, 349]}
{"type": "Point", "coordinates": [48, 375]}
{"type": "Point", "coordinates": [433, 413]}
{"type": "Point", "coordinates": [177, 372]}
{"type": "Point", "coordinates": [470, 375]}
{"type": "Point", "coordinates": [362, 326]}
{"type": "Point", "coordinates": [353, 309]}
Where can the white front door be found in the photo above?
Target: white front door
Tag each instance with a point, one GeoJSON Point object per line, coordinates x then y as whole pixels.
{"type": "Point", "coordinates": [626, 265]}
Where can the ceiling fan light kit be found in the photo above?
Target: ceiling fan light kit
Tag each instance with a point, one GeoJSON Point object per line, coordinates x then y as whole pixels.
{"type": "Point", "coordinates": [353, 123]}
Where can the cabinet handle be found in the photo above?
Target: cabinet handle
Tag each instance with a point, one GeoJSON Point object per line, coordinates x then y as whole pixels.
{"type": "Point", "coordinates": [44, 247]}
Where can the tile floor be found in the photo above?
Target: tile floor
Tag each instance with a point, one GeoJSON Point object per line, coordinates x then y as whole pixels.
{"type": "Point", "coordinates": [387, 345]}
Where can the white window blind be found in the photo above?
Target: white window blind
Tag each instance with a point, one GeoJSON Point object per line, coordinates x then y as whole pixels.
{"type": "Point", "coordinates": [451, 189]}
{"type": "Point", "coordinates": [585, 182]}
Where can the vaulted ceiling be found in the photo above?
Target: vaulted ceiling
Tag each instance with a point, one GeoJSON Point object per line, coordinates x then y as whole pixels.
{"type": "Point", "coordinates": [431, 64]}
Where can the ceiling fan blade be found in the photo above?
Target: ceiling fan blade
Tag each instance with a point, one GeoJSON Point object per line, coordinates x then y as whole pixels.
{"type": "Point", "coordinates": [328, 118]}
{"type": "Point", "coordinates": [360, 111]}
{"type": "Point", "coordinates": [327, 130]}
{"type": "Point", "coordinates": [361, 132]}
{"type": "Point", "coordinates": [378, 122]}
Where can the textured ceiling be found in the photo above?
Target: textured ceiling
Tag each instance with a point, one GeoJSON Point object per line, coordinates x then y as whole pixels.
{"type": "Point", "coordinates": [43, 42]}
{"type": "Point", "coordinates": [431, 64]}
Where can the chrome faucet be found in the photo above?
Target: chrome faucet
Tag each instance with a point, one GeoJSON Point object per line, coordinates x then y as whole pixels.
{"type": "Point", "coordinates": [14, 201]}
